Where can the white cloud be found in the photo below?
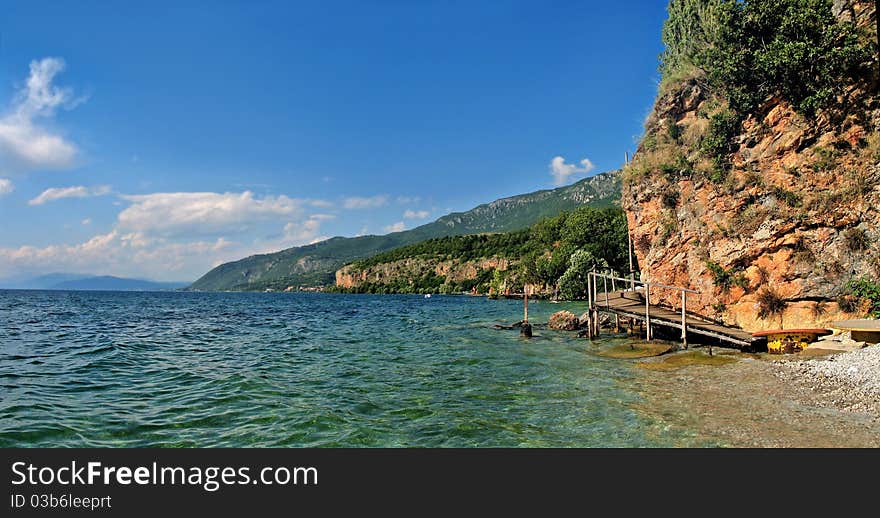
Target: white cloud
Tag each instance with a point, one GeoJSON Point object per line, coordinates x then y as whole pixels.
{"type": "Point", "coordinates": [174, 236]}
{"type": "Point", "coordinates": [24, 143]}
{"type": "Point", "coordinates": [357, 202]}
{"type": "Point", "coordinates": [396, 227]}
{"type": "Point", "coordinates": [78, 191]}
{"type": "Point", "coordinates": [415, 214]}
{"type": "Point", "coordinates": [324, 204]}
{"type": "Point", "coordinates": [562, 172]}
{"type": "Point", "coordinates": [202, 213]}
{"type": "Point", "coordinates": [406, 200]}
{"type": "Point", "coordinates": [118, 253]}
{"type": "Point", "coordinates": [6, 186]}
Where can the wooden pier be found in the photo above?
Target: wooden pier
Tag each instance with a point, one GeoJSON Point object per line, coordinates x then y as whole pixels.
{"type": "Point", "coordinates": [631, 299]}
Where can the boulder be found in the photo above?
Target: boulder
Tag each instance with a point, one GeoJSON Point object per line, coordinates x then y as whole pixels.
{"type": "Point", "coordinates": [564, 321]}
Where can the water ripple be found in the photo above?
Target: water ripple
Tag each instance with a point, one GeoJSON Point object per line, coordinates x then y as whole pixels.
{"type": "Point", "coordinates": [239, 369]}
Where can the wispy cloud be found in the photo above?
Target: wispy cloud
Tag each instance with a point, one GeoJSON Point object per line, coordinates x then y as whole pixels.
{"type": "Point", "coordinates": [6, 186]}
{"type": "Point", "coordinates": [121, 254]}
{"type": "Point", "coordinates": [86, 221]}
{"type": "Point", "coordinates": [406, 200]}
{"type": "Point", "coordinates": [202, 213]}
{"type": "Point", "coordinates": [415, 214]}
{"type": "Point", "coordinates": [357, 202]}
{"type": "Point", "coordinates": [77, 191]}
{"type": "Point", "coordinates": [562, 172]}
{"type": "Point", "coordinates": [25, 144]}
{"type": "Point", "coordinates": [396, 227]}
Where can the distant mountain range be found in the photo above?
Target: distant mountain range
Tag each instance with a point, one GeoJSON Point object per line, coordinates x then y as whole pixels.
{"type": "Point", "coordinates": [316, 264]}
{"type": "Point", "coordinates": [82, 282]}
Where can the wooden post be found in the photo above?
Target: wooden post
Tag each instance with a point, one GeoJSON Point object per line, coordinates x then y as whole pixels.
{"type": "Point", "coordinates": [684, 339]}
{"type": "Point", "coordinates": [605, 287]}
{"type": "Point", "coordinates": [647, 312]}
{"type": "Point", "coordinates": [589, 291]}
{"type": "Point", "coordinates": [525, 329]}
{"type": "Point", "coordinates": [629, 248]}
{"type": "Point", "coordinates": [590, 305]}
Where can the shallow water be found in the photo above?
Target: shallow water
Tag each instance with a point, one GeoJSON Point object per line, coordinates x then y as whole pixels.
{"type": "Point", "coordinates": [272, 369]}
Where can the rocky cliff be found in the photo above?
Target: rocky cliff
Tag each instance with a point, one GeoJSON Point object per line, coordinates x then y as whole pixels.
{"type": "Point", "coordinates": [450, 271]}
{"type": "Point", "coordinates": [795, 218]}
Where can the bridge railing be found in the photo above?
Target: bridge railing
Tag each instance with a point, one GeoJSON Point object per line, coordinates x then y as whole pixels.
{"type": "Point", "coordinates": [610, 279]}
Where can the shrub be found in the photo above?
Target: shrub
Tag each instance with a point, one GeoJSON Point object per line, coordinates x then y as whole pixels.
{"type": "Point", "coordinates": [790, 198]}
{"type": "Point", "coordinates": [673, 130]}
{"type": "Point", "coordinates": [670, 199]}
{"type": "Point", "coordinates": [717, 144]}
{"type": "Point", "coordinates": [643, 243]}
{"type": "Point", "coordinates": [802, 252]}
{"type": "Point", "coordinates": [819, 309]}
{"type": "Point", "coordinates": [866, 291]}
{"type": "Point", "coordinates": [724, 279]}
{"type": "Point", "coordinates": [826, 159]}
{"type": "Point", "coordinates": [770, 303]}
{"type": "Point", "coordinates": [754, 49]}
{"type": "Point", "coordinates": [856, 240]}
{"type": "Point", "coordinates": [848, 303]}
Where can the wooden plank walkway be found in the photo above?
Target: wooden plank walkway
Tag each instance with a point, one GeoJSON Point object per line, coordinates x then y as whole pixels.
{"type": "Point", "coordinates": [631, 304]}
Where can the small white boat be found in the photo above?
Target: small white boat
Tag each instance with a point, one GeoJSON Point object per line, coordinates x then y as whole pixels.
{"type": "Point", "coordinates": [427, 295]}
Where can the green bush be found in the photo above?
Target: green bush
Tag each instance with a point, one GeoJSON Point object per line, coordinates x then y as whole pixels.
{"type": "Point", "coordinates": [573, 283]}
{"type": "Point", "coordinates": [753, 49]}
{"type": "Point", "coordinates": [868, 292]}
{"type": "Point", "coordinates": [718, 142]}
{"type": "Point", "coordinates": [724, 279]}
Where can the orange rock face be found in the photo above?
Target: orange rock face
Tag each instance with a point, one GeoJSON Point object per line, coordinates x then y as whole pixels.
{"type": "Point", "coordinates": [796, 217]}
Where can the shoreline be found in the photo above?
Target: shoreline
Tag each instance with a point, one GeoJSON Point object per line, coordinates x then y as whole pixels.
{"type": "Point", "coordinates": [756, 401]}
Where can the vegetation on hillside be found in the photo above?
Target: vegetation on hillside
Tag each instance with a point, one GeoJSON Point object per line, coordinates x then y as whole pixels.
{"type": "Point", "coordinates": [315, 264]}
{"type": "Point", "coordinates": [741, 54]}
{"type": "Point", "coordinates": [751, 50]}
{"type": "Point", "coordinates": [555, 250]}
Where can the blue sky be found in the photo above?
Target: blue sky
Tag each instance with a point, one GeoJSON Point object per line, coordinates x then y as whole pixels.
{"type": "Point", "coordinates": [160, 140]}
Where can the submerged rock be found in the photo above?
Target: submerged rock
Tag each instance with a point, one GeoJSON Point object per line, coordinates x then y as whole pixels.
{"type": "Point", "coordinates": [564, 321]}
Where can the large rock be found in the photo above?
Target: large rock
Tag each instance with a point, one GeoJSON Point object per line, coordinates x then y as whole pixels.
{"type": "Point", "coordinates": [564, 321]}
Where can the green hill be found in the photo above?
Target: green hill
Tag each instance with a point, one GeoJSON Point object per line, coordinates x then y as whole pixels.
{"type": "Point", "coordinates": [315, 264]}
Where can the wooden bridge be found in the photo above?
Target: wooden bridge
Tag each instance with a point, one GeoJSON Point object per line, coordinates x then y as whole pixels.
{"type": "Point", "coordinates": [631, 299]}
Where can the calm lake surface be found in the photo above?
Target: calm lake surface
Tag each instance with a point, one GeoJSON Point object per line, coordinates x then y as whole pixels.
{"type": "Point", "coordinates": [276, 369]}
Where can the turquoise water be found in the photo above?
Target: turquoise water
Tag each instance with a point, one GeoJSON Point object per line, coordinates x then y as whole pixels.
{"type": "Point", "coordinates": [272, 369]}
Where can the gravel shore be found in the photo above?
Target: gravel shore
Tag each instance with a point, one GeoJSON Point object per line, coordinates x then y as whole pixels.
{"type": "Point", "coordinates": [849, 381]}
{"type": "Point", "coordinates": [771, 401]}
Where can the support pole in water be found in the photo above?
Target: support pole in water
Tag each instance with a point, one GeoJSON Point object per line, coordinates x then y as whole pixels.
{"type": "Point", "coordinates": [684, 339]}
{"type": "Point", "coordinates": [526, 329]}
{"type": "Point", "coordinates": [648, 311]}
{"type": "Point", "coordinates": [590, 306]}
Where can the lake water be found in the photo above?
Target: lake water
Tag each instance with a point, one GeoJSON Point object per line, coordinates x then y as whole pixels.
{"type": "Point", "coordinates": [277, 369]}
